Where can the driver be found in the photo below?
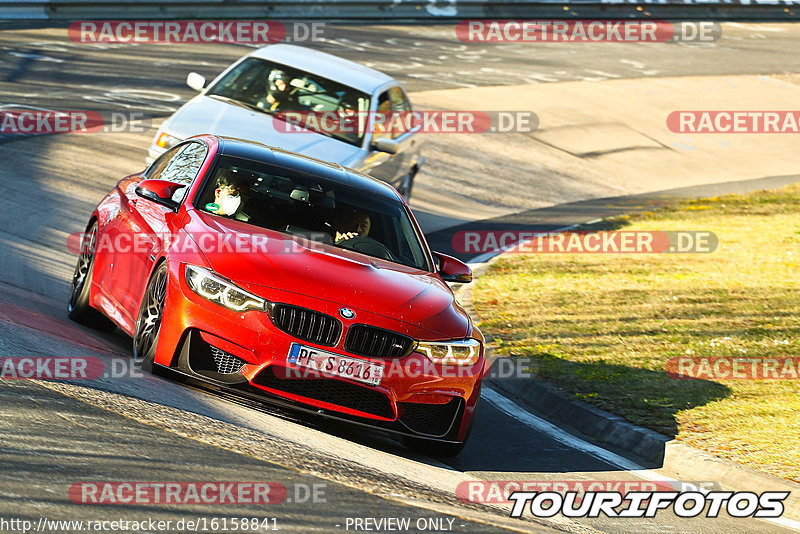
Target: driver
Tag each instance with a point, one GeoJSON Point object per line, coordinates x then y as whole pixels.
{"type": "Point", "coordinates": [228, 196]}
{"type": "Point", "coordinates": [356, 224]}
{"type": "Point", "coordinates": [281, 96]}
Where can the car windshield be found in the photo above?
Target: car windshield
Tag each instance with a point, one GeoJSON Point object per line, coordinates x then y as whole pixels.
{"type": "Point", "coordinates": [313, 208]}
{"type": "Point", "coordinates": [276, 89]}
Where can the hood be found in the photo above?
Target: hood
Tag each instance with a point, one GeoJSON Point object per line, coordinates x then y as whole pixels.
{"type": "Point", "coordinates": [205, 115]}
{"type": "Point", "coordinates": [417, 298]}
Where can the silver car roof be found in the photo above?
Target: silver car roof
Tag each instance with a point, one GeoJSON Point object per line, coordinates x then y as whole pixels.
{"type": "Point", "coordinates": [326, 65]}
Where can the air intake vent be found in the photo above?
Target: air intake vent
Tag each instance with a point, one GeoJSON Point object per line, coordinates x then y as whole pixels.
{"type": "Point", "coordinates": [226, 363]}
{"type": "Point", "coordinates": [306, 324]}
{"type": "Point", "coordinates": [327, 390]}
{"type": "Point", "coordinates": [430, 419]}
{"type": "Point", "coordinates": [377, 343]}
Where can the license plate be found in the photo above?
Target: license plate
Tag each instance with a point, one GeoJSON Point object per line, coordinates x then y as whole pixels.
{"type": "Point", "coordinates": [331, 364]}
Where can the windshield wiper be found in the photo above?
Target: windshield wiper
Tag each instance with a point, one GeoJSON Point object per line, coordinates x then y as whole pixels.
{"type": "Point", "coordinates": [239, 103]}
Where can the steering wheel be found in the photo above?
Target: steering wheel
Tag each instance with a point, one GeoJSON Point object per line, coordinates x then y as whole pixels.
{"type": "Point", "coordinates": [367, 245]}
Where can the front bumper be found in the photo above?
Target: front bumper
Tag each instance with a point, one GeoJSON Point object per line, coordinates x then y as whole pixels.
{"type": "Point", "coordinates": [247, 353]}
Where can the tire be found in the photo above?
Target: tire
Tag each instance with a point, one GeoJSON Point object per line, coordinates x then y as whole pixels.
{"type": "Point", "coordinates": [78, 308]}
{"type": "Point", "coordinates": [433, 448]}
{"type": "Point", "coordinates": [148, 324]}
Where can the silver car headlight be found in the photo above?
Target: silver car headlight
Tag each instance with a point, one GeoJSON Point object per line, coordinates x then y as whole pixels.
{"type": "Point", "coordinates": [464, 352]}
{"type": "Point", "coordinates": [165, 140]}
{"type": "Point", "coordinates": [220, 291]}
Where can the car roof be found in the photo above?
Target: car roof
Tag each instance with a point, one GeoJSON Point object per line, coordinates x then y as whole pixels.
{"type": "Point", "coordinates": [326, 65]}
{"type": "Point", "coordinates": [252, 150]}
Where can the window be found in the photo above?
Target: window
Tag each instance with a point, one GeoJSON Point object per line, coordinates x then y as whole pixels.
{"type": "Point", "coordinates": [179, 165]}
{"type": "Point", "coordinates": [314, 208]}
{"type": "Point", "coordinates": [394, 106]}
{"type": "Point", "coordinates": [273, 88]}
{"type": "Point", "coordinates": [155, 169]}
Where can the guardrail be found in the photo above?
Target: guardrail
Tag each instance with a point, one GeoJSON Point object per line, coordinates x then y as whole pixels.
{"type": "Point", "coordinates": [423, 11]}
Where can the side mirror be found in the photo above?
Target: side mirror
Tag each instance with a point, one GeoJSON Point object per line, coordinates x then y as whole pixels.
{"type": "Point", "coordinates": [196, 81]}
{"type": "Point", "coordinates": [384, 144]}
{"type": "Point", "coordinates": [159, 191]}
{"type": "Point", "coordinates": [452, 269]}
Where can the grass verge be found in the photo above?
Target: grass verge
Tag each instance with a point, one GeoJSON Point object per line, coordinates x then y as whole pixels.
{"type": "Point", "coordinates": [603, 326]}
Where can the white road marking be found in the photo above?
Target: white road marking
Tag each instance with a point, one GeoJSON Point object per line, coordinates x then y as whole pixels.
{"type": "Point", "coordinates": [138, 99]}
{"type": "Point", "coordinates": [603, 73]}
{"type": "Point", "coordinates": [510, 408]}
{"type": "Point", "coordinates": [440, 78]}
{"type": "Point", "coordinates": [37, 57]}
{"type": "Point", "coordinates": [754, 27]}
{"type": "Point", "coordinates": [633, 63]}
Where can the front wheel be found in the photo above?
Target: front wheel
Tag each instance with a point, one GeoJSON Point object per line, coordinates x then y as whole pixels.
{"type": "Point", "coordinates": [78, 308]}
{"type": "Point", "coordinates": [148, 325]}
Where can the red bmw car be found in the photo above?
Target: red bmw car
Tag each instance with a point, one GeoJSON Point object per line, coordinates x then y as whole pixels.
{"type": "Point", "coordinates": [299, 281]}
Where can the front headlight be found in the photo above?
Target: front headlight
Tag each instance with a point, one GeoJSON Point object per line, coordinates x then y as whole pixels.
{"type": "Point", "coordinates": [220, 291]}
{"type": "Point", "coordinates": [165, 140]}
{"type": "Point", "coordinates": [464, 352]}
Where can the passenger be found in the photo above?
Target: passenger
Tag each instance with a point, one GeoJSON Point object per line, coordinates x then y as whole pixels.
{"type": "Point", "coordinates": [229, 196]}
{"type": "Point", "coordinates": [281, 96]}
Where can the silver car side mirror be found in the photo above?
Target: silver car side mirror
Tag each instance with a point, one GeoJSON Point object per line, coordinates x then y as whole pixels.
{"type": "Point", "coordinates": [196, 81]}
{"type": "Point", "coordinates": [384, 144]}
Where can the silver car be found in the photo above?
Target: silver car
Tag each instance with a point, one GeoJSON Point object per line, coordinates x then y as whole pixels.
{"type": "Point", "coordinates": [241, 102]}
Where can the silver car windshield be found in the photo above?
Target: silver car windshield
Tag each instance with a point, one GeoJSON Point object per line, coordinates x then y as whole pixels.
{"type": "Point", "coordinates": [277, 89]}
{"type": "Point", "coordinates": [313, 208]}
